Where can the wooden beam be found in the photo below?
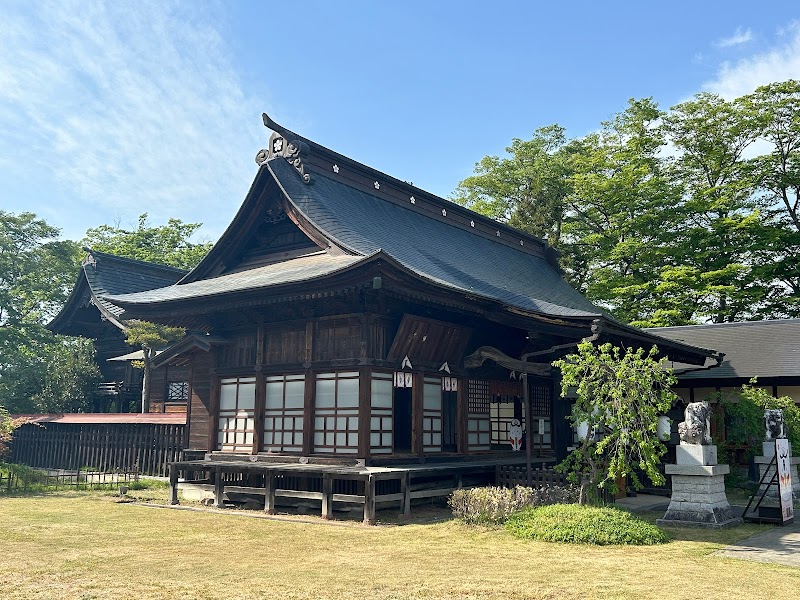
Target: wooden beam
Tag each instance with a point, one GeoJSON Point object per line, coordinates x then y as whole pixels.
{"type": "Point", "coordinates": [269, 492]}
{"type": "Point", "coordinates": [369, 501]}
{"type": "Point", "coordinates": [219, 489]}
{"type": "Point", "coordinates": [327, 496]}
{"type": "Point", "coordinates": [405, 490]}
{"type": "Point", "coordinates": [173, 484]}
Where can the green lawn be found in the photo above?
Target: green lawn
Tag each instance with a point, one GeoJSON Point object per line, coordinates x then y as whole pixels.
{"type": "Point", "coordinates": [86, 545]}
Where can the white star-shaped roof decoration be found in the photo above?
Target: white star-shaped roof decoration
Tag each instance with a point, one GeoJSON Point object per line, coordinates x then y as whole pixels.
{"type": "Point", "coordinates": [377, 185]}
{"type": "Point", "coordinates": [335, 168]}
{"type": "Point", "coordinates": [472, 223]}
{"type": "Point", "coordinates": [413, 200]}
{"type": "Point", "coordinates": [444, 212]}
{"type": "Point", "coordinates": [498, 233]}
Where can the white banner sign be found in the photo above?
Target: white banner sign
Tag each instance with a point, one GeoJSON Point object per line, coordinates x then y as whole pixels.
{"type": "Point", "coordinates": [784, 459]}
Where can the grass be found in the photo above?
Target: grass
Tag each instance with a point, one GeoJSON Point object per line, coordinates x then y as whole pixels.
{"type": "Point", "coordinates": [89, 545]}
{"type": "Point", "coordinates": [600, 526]}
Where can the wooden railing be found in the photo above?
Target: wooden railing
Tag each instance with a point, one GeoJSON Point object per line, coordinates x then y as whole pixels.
{"type": "Point", "coordinates": [513, 475]}
{"type": "Point", "coordinates": [144, 447]}
{"type": "Point", "coordinates": [28, 480]}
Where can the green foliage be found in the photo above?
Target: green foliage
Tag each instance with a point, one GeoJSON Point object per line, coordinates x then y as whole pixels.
{"type": "Point", "coordinates": [620, 394]}
{"type": "Point", "coordinates": [661, 216]}
{"type": "Point", "coordinates": [7, 426]}
{"type": "Point", "coordinates": [494, 505]}
{"type": "Point", "coordinates": [743, 415]}
{"type": "Point", "coordinates": [527, 190]}
{"type": "Point", "coordinates": [575, 524]}
{"type": "Point", "coordinates": [166, 244]}
{"type": "Point", "coordinates": [150, 337]}
{"type": "Point", "coordinates": [39, 372]}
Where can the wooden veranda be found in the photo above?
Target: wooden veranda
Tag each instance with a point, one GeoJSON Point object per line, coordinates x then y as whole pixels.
{"type": "Point", "coordinates": [368, 486]}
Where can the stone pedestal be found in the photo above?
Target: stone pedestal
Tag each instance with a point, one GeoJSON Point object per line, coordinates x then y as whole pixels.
{"type": "Point", "coordinates": [763, 462]}
{"type": "Point", "coordinates": [698, 489]}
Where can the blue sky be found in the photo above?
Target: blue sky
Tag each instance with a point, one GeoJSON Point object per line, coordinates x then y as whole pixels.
{"type": "Point", "coordinates": [108, 110]}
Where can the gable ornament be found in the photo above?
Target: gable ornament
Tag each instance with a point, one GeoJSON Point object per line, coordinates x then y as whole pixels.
{"type": "Point", "coordinates": [282, 145]}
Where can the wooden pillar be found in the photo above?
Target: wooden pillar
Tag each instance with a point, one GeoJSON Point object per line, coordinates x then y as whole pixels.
{"type": "Point", "coordinates": [526, 398]}
{"type": "Point", "coordinates": [369, 501]}
{"type": "Point", "coordinates": [269, 492]}
{"type": "Point", "coordinates": [308, 412]}
{"type": "Point", "coordinates": [261, 393]}
{"type": "Point", "coordinates": [213, 417]}
{"type": "Point", "coordinates": [405, 489]}
{"type": "Point", "coordinates": [219, 488]}
{"type": "Point", "coordinates": [416, 412]}
{"type": "Point", "coordinates": [310, 392]}
{"type": "Point", "coordinates": [560, 428]}
{"type": "Point", "coordinates": [364, 411]}
{"type": "Point", "coordinates": [462, 410]}
{"type": "Point", "coordinates": [173, 484]}
{"type": "Point", "coordinates": [327, 496]}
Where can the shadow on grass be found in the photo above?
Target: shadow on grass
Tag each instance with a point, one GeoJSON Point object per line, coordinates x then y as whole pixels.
{"type": "Point", "coordinates": [722, 535]}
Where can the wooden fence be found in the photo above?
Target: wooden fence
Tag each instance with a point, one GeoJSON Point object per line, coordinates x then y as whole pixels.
{"type": "Point", "coordinates": [45, 481]}
{"type": "Point", "coordinates": [147, 448]}
{"type": "Point", "coordinates": [512, 475]}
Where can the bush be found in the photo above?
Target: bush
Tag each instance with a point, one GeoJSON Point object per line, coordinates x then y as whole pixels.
{"type": "Point", "coordinates": [576, 524]}
{"type": "Point", "coordinates": [493, 505]}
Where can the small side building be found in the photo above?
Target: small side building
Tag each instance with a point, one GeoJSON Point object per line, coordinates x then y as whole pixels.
{"type": "Point", "coordinates": [766, 350]}
{"type": "Point", "coordinates": [88, 314]}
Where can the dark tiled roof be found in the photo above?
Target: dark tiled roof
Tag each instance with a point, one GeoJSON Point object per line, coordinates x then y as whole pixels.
{"type": "Point", "coordinates": [105, 274]}
{"type": "Point", "coordinates": [365, 224]}
{"type": "Point", "coordinates": [752, 348]}
{"type": "Point", "coordinates": [109, 275]}
{"type": "Point", "coordinates": [289, 271]}
{"type": "Point", "coordinates": [446, 254]}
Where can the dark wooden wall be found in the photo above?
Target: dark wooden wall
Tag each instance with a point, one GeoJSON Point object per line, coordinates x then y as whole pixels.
{"type": "Point", "coordinates": [200, 405]}
{"type": "Point", "coordinates": [144, 447]}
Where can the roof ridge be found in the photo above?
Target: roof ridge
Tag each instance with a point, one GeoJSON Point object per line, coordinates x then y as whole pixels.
{"type": "Point", "coordinates": [268, 154]}
{"type": "Point", "coordinates": [721, 325]}
{"type": "Point", "coordinates": [144, 263]}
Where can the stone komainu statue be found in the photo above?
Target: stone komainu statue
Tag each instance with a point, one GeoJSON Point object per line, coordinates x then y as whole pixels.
{"type": "Point", "coordinates": [773, 419]}
{"type": "Point", "coordinates": [696, 427]}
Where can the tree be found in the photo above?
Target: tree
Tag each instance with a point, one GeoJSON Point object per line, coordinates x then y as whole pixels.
{"type": "Point", "coordinates": [776, 109]}
{"type": "Point", "coordinates": [528, 189]}
{"type": "Point", "coordinates": [621, 216]}
{"type": "Point", "coordinates": [723, 226]}
{"type": "Point", "coordinates": [149, 337]}
{"type": "Point", "coordinates": [7, 426]}
{"type": "Point", "coordinates": [621, 393]}
{"type": "Point", "coordinates": [36, 274]}
{"type": "Point", "coordinates": [165, 244]}
{"type": "Point", "coordinates": [661, 217]}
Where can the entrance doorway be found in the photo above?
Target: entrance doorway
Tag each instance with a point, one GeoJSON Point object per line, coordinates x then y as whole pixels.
{"type": "Point", "coordinates": [402, 420]}
{"type": "Point", "coordinates": [449, 421]}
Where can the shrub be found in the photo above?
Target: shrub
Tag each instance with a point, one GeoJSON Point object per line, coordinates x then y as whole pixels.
{"type": "Point", "coordinates": [575, 524]}
{"type": "Point", "coordinates": [493, 505]}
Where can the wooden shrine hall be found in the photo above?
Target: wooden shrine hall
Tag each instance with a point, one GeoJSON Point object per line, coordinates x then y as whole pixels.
{"type": "Point", "coordinates": [88, 314]}
{"type": "Point", "coordinates": [366, 341]}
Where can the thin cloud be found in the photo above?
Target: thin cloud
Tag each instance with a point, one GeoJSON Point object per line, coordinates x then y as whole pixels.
{"type": "Point", "coordinates": [740, 36]}
{"type": "Point", "coordinates": [779, 63]}
{"type": "Point", "coordinates": [132, 107]}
